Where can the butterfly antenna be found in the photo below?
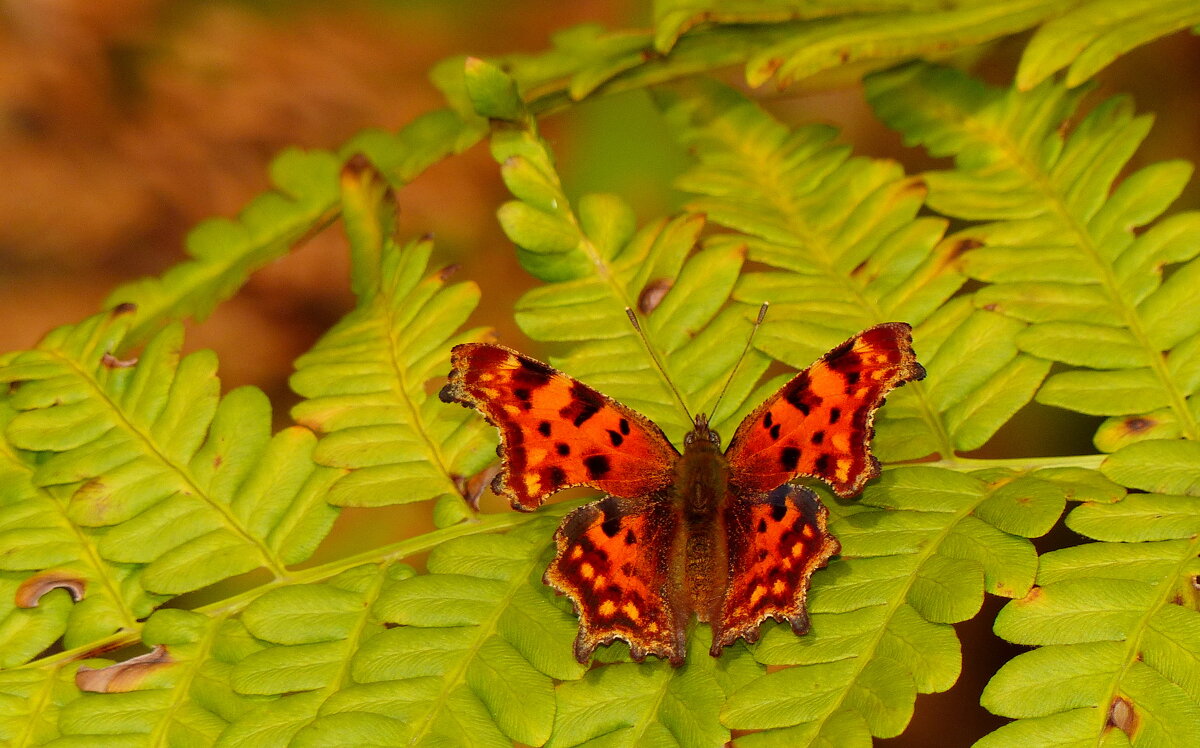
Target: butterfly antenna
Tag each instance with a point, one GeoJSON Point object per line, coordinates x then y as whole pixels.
{"type": "Point", "coordinates": [657, 364]}
{"type": "Point", "coordinates": [762, 312]}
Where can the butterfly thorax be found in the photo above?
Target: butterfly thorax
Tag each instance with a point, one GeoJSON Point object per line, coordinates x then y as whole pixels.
{"type": "Point", "coordinates": [701, 485]}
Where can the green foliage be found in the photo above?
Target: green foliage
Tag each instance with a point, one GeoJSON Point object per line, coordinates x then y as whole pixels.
{"type": "Point", "coordinates": [127, 479]}
{"type": "Point", "coordinates": [365, 379]}
{"type": "Point", "coordinates": [1060, 250]}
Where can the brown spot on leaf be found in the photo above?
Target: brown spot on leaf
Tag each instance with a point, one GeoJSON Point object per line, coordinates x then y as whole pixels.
{"type": "Point", "coordinates": [1032, 596]}
{"type": "Point", "coordinates": [962, 245]}
{"type": "Point", "coordinates": [1138, 424]}
{"type": "Point", "coordinates": [124, 308]}
{"type": "Point", "coordinates": [447, 272]}
{"type": "Point", "coordinates": [123, 676]}
{"type": "Point", "coordinates": [653, 294]}
{"type": "Point", "coordinates": [32, 589]}
{"type": "Point", "coordinates": [991, 307]}
{"type": "Point", "coordinates": [357, 165]}
{"type": "Point", "coordinates": [113, 362]}
{"type": "Point", "coordinates": [1122, 716]}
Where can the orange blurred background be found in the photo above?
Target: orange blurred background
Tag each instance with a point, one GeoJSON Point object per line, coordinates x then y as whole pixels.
{"type": "Point", "coordinates": [125, 122]}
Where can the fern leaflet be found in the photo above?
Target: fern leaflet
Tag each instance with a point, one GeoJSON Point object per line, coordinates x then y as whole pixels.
{"type": "Point", "coordinates": [1060, 251]}
{"type": "Point", "coordinates": [1092, 34]}
{"type": "Point", "coordinates": [365, 379]}
{"type": "Point", "coordinates": [170, 487]}
{"type": "Point", "coordinates": [852, 253]}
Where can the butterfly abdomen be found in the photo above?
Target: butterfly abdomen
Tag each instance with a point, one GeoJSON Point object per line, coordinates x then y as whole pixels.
{"type": "Point", "coordinates": [701, 485]}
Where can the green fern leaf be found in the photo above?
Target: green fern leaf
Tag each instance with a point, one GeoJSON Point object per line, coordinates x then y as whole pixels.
{"type": "Point", "coordinates": [652, 703]}
{"type": "Point", "coordinates": [470, 663]}
{"type": "Point", "coordinates": [916, 562]}
{"type": "Point", "coordinates": [31, 701]}
{"type": "Point", "coordinates": [1094, 33]}
{"type": "Point", "coordinates": [1060, 252]}
{"type": "Point", "coordinates": [169, 487]}
{"type": "Point", "coordinates": [600, 265]}
{"type": "Point", "coordinates": [875, 33]}
{"type": "Point", "coordinates": [1119, 631]}
{"type": "Point", "coordinates": [225, 252]}
{"type": "Point", "coordinates": [852, 252]}
{"type": "Point", "coordinates": [365, 387]}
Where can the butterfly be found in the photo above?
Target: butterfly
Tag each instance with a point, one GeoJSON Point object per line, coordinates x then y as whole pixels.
{"type": "Point", "coordinates": [721, 535]}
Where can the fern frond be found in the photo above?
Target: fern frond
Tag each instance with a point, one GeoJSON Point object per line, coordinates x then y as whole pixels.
{"type": "Point", "coordinates": [918, 561]}
{"type": "Point", "coordinates": [224, 252]}
{"type": "Point", "coordinates": [836, 34]}
{"type": "Point", "coordinates": [652, 703]}
{"type": "Point", "coordinates": [1092, 34]}
{"type": "Point", "coordinates": [598, 265]}
{"type": "Point", "coordinates": [365, 380]}
{"type": "Point", "coordinates": [852, 253]}
{"type": "Point", "coordinates": [470, 662]}
{"type": "Point", "coordinates": [1119, 632]}
{"type": "Point", "coordinates": [1060, 251]}
{"type": "Point", "coordinates": [167, 486]}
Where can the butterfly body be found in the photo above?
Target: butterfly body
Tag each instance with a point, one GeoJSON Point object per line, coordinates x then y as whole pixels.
{"type": "Point", "coordinates": [719, 535]}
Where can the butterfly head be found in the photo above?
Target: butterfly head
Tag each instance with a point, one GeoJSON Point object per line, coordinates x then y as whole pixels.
{"type": "Point", "coordinates": [701, 433]}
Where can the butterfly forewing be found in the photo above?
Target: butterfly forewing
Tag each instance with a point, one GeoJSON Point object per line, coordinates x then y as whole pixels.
{"type": "Point", "coordinates": [557, 432]}
{"type": "Point", "coordinates": [820, 423]}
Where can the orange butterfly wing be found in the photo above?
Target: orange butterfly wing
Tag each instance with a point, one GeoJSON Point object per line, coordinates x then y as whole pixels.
{"type": "Point", "coordinates": [556, 432]}
{"type": "Point", "coordinates": [776, 542]}
{"type": "Point", "coordinates": [820, 423]}
{"type": "Point", "coordinates": [615, 563]}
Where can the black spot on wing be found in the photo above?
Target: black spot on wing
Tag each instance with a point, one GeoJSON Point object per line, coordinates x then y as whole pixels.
{"type": "Point", "coordinates": [585, 403]}
{"type": "Point", "coordinates": [839, 352]}
{"type": "Point", "coordinates": [597, 466]}
{"type": "Point", "coordinates": [612, 516]}
{"type": "Point", "coordinates": [562, 448]}
{"type": "Point", "coordinates": [762, 525]}
{"type": "Point", "coordinates": [556, 476]}
{"type": "Point", "coordinates": [778, 511]}
{"type": "Point", "coordinates": [532, 374]}
{"type": "Point", "coordinates": [630, 538]}
{"type": "Point", "coordinates": [615, 437]}
{"type": "Point", "coordinates": [798, 395]}
{"type": "Point", "coordinates": [852, 377]}
{"type": "Point", "coordinates": [767, 420]}
{"type": "Point", "coordinates": [818, 437]}
{"type": "Point", "coordinates": [789, 458]}
{"type": "Point", "coordinates": [822, 464]}
{"type": "Point", "coordinates": [544, 428]}
{"type": "Point", "coordinates": [775, 431]}
{"type": "Point", "coordinates": [522, 393]}
{"type": "Point", "coordinates": [834, 415]}
{"type": "Point", "coordinates": [624, 427]}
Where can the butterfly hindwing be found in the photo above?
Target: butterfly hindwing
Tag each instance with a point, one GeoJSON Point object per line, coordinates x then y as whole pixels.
{"type": "Point", "coordinates": [775, 542]}
{"type": "Point", "coordinates": [820, 423]}
{"type": "Point", "coordinates": [614, 563]}
{"type": "Point", "coordinates": [557, 432]}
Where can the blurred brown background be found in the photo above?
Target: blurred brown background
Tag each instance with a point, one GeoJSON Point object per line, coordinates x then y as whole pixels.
{"type": "Point", "coordinates": [124, 122]}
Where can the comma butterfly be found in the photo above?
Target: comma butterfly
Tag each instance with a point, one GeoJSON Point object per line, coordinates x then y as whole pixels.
{"type": "Point", "coordinates": [724, 536]}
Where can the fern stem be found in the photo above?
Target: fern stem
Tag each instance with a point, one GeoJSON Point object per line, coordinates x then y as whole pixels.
{"type": "Point", "coordinates": [389, 553]}
{"type": "Point", "coordinates": [965, 464]}
{"type": "Point", "coordinates": [181, 691]}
